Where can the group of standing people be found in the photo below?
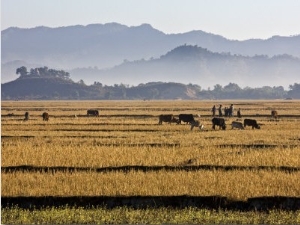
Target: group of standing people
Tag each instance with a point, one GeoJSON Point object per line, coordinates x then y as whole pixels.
{"type": "Point", "coordinates": [228, 111]}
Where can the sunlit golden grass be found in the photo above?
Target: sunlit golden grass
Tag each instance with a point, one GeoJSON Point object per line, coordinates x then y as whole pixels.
{"type": "Point", "coordinates": [233, 184]}
{"type": "Point", "coordinates": [127, 134]}
{"type": "Point", "coordinates": [90, 152]}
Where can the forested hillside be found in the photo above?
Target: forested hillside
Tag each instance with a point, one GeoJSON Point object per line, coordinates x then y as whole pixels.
{"type": "Point", "coordinates": [48, 84]}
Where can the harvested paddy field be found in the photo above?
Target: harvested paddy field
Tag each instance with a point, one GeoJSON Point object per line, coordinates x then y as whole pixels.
{"type": "Point", "coordinates": [125, 158]}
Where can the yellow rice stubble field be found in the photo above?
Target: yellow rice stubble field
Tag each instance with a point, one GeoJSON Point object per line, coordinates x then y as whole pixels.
{"type": "Point", "coordinates": [124, 152]}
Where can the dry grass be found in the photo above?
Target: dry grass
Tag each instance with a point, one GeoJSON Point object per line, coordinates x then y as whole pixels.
{"type": "Point", "coordinates": [232, 184]}
{"type": "Point", "coordinates": [127, 134]}
{"type": "Point", "coordinates": [94, 153]}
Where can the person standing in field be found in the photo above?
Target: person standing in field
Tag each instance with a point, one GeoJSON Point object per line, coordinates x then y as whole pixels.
{"type": "Point", "coordinates": [239, 115]}
{"type": "Point", "coordinates": [226, 111]}
{"type": "Point", "coordinates": [213, 110]}
{"type": "Point", "coordinates": [231, 110]}
{"type": "Point", "coordinates": [220, 111]}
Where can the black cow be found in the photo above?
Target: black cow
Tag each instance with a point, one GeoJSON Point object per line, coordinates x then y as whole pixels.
{"type": "Point", "coordinates": [251, 123]}
{"type": "Point", "coordinates": [45, 116]}
{"type": "Point", "coordinates": [218, 122]}
{"type": "Point", "coordinates": [92, 112]}
{"type": "Point", "coordinates": [187, 118]}
{"type": "Point", "coordinates": [169, 118]}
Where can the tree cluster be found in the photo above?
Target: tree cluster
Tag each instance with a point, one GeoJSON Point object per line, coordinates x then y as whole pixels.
{"type": "Point", "coordinates": [233, 91]}
{"type": "Point", "coordinates": [42, 72]}
{"type": "Point", "coordinates": [294, 90]}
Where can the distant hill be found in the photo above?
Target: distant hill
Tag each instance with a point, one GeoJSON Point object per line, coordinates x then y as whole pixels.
{"type": "Point", "coordinates": [49, 88]}
{"type": "Point", "coordinates": [192, 64]}
{"type": "Point", "coordinates": [44, 88]}
{"type": "Point", "coordinates": [100, 46]}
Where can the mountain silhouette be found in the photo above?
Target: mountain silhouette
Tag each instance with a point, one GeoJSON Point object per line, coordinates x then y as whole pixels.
{"type": "Point", "coordinates": [192, 64]}
{"type": "Point", "coordinates": [96, 47]}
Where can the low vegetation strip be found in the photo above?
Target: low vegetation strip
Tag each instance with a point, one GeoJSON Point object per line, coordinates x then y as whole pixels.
{"type": "Point", "coordinates": [164, 215]}
{"type": "Point", "coordinates": [125, 169]}
{"type": "Point", "coordinates": [144, 202]}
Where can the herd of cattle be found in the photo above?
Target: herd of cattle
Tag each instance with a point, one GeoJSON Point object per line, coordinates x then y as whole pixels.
{"type": "Point", "coordinates": [186, 118]}
{"type": "Point", "coordinates": [220, 122]}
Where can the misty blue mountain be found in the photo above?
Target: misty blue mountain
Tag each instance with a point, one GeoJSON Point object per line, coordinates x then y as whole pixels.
{"type": "Point", "coordinates": [192, 64]}
{"type": "Point", "coordinates": [115, 53]}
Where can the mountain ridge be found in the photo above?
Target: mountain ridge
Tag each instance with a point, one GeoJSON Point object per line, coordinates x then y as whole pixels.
{"type": "Point", "coordinates": [192, 64]}
{"type": "Point", "coordinates": [104, 46]}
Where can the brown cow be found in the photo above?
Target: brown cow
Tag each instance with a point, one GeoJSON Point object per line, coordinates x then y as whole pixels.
{"type": "Point", "coordinates": [26, 116]}
{"type": "Point", "coordinates": [169, 118]}
{"type": "Point", "coordinates": [274, 114]}
{"type": "Point", "coordinates": [45, 116]}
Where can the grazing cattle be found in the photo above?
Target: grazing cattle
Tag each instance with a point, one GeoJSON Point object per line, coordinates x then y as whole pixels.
{"type": "Point", "coordinates": [92, 112]}
{"type": "Point", "coordinates": [251, 123]}
{"type": "Point", "coordinates": [237, 125]}
{"type": "Point", "coordinates": [26, 116]}
{"type": "Point", "coordinates": [45, 116]}
{"type": "Point", "coordinates": [187, 118]}
{"type": "Point", "coordinates": [196, 123]}
{"type": "Point", "coordinates": [274, 114]}
{"type": "Point", "coordinates": [169, 118]}
{"type": "Point", "coordinates": [219, 122]}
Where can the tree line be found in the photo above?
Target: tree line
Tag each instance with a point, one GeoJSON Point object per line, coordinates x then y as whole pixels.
{"type": "Point", "coordinates": [157, 90]}
{"type": "Point", "coordinates": [58, 89]}
{"type": "Point", "coordinates": [42, 71]}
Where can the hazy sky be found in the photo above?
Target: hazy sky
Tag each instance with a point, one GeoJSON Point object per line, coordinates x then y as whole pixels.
{"type": "Point", "coordinates": [233, 19]}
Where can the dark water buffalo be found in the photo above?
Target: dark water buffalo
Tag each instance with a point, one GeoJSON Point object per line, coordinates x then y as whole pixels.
{"type": "Point", "coordinates": [251, 123]}
{"type": "Point", "coordinates": [168, 118]}
{"type": "Point", "coordinates": [274, 114]}
{"type": "Point", "coordinates": [45, 116]}
{"type": "Point", "coordinates": [187, 118]}
{"type": "Point", "coordinates": [26, 116]}
{"type": "Point", "coordinates": [237, 125]}
{"type": "Point", "coordinates": [218, 122]}
{"type": "Point", "coordinates": [92, 112]}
